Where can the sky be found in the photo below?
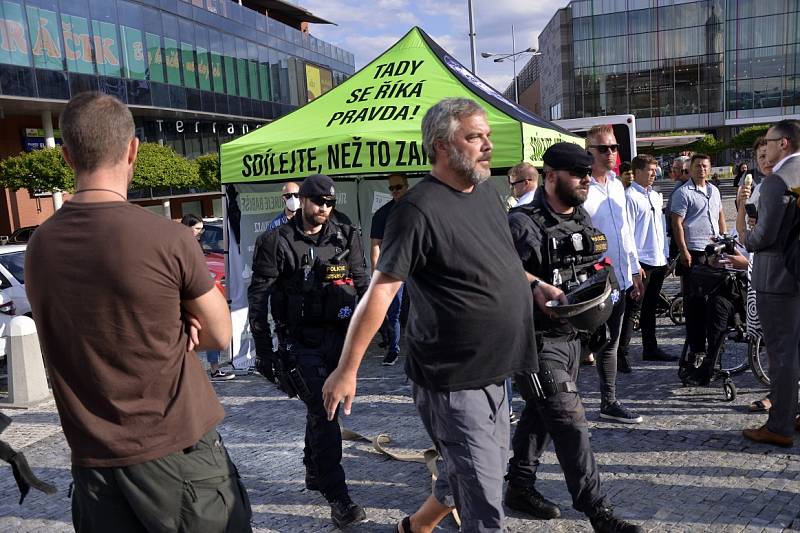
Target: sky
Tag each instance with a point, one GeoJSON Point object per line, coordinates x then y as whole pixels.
{"type": "Point", "coordinates": [368, 27]}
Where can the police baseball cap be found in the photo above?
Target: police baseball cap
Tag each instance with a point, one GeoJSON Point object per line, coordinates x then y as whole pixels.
{"type": "Point", "coordinates": [317, 185]}
{"type": "Point", "coordinates": [568, 156]}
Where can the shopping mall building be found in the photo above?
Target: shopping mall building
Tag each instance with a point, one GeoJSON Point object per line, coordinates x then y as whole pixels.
{"type": "Point", "coordinates": [710, 65]}
{"type": "Point", "coordinates": [195, 74]}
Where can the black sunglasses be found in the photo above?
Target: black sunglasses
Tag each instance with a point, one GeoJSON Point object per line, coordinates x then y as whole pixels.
{"type": "Point", "coordinates": [322, 201]}
{"type": "Point", "coordinates": [579, 172]}
{"type": "Point", "coordinates": [604, 148]}
{"type": "Point", "coordinates": [523, 180]}
{"type": "Point", "coordinates": [291, 195]}
{"type": "Point", "coordinates": [394, 188]}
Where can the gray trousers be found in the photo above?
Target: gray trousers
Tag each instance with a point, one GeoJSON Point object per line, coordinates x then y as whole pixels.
{"type": "Point", "coordinates": [470, 429]}
{"type": "Point", "coordinates": [780, 320]}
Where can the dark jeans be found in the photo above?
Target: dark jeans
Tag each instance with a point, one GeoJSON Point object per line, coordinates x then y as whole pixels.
{"type": "Point", "coordinates": [607, 356]}
{"type": "Point", "coordinates": [562, 419]}
{"type": "Point", "coordinates": [196, 489]}
{"type": "Point", "coordinates": [393, 322]}
{"type": "Point", "coordinates": [706, 316]}
{"type": "Point", "coordinates": [653, 282]}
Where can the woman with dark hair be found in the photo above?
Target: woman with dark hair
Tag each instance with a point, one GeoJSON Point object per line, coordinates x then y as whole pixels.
{"type": "Point", "coordinates": [741, 170]}
{"type": "Point", "coordinates": [217, 374]}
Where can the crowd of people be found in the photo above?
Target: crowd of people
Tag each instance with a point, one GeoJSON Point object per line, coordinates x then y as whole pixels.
{"type": "Point", "coordinates": [498, 295]}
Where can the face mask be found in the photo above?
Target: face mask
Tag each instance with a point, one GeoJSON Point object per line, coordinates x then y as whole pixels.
{"type": "Point", "coordinates": [293, 204]}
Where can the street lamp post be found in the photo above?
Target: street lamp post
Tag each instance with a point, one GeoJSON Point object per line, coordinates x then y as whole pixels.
{"type": "Point", "coordinates": [499, 58]}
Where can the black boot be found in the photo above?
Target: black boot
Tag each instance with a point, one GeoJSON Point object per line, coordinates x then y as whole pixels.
{"type": "Point", "coordinates": [344, 512]}
{"type": "Point", "coordinates": [702, 375]}
{"type": "Point", "coordinates": [528, 500]}
{"type": "Point", "coordinates": [604, 521]}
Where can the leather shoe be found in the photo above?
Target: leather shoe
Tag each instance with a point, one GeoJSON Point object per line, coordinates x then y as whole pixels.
{"type": "Point", "coordinates": [765, 436]}
{"type": "Point", "coordinates": [658, 355]}
{"type": "Point", "coordinates": [529, 500]}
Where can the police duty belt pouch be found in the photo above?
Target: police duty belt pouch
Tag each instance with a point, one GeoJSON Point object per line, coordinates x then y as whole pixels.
{"type": "Point", "coordinates": [340, 301]}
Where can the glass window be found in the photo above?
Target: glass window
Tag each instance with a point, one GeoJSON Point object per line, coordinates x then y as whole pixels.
{"type": "Point", "coordinates": [15, 51]}
{"type": "Point", "coordinates": [172, 61]}
{"type": "Point", "coordinates": [133, 48]}
{"type": "Point", "coordinates": [767, 92]}
{"type": "Point", "coordinates": [155, 58]}
{"type": "Point", "coordinates": [241, 68]}
{"type": "Point", "coordinates": [44, 38]}
{"type": "Point", "coordinates": [77, 44]}
{"type": "Point", "coordinates": [263, 73]}
{"type": "Point", "coordinates": [229, 44]}
{"type": "Point", "coordinates": [106, 48]}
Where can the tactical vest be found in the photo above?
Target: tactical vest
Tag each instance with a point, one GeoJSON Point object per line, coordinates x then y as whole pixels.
{"type": "Point", "coordinates": [320, 292]}
{"type": "Point", "coordinates": [570, 247]}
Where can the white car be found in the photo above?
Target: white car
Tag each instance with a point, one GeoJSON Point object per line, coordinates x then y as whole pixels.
{"type": "Point", "coordinates": [7, 311]}
{"type": "Point", "coordinates": [12, 277]}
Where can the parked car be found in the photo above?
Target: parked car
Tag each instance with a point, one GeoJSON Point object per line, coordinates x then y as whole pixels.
{"type": "Point", "coordinates": [7, 312]}
{"type": "Point", "coordinates": [213, 244]}
{"type": "Point", "coordinates": [20, 235]}
{"type": "Point", "coordinates": [12, 276]}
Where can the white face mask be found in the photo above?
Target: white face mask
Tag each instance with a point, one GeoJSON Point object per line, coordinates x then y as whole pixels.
{"type": "Point", "coordinates": [293, 204]}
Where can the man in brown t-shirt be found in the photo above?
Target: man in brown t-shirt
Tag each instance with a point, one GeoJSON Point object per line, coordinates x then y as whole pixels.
{"type": "Point", "coordinates": [121, 297]}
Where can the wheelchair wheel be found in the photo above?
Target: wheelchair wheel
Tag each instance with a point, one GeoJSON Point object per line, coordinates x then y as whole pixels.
{"type": "Point", "coordinates": [676, 311]}
{"type": "Point", "coordinates": [734, 358]}
{"type": "Point", "coordinates": [759, 362]}
{"type": "Point", "coordinates": [729, 390]}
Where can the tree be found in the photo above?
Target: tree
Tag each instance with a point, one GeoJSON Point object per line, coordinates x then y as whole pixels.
{"type": "Point", "coordinates": [745, 138]}
{"type": "Point", "coordinates": [161, 166]}
{"type": "Point", "coordinates": [208, 170]}
{"type": "Point", "coordinates": [39, 170]}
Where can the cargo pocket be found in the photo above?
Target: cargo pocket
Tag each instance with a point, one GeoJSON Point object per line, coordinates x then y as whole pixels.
{"type": "Point", "coordinates": [205, 506]}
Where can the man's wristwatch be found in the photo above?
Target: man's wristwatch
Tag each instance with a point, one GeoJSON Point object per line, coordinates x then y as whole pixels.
{"type": "Point", "coordinates": [535, 283]}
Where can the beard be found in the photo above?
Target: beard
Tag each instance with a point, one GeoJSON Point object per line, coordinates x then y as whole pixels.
{"type": "Point", "coordinates": [571, 197]}
{"type": "Point", "coordinates": [313, 218]}
{"type": "Point", "coordinates": [465, 168]}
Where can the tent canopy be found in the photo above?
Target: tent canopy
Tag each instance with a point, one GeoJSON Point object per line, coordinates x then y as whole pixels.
{"type": "Point", "coordinates": [370, 124]}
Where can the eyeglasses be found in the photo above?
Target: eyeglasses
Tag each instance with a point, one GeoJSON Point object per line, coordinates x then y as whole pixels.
{"type": "Point", "coordinates": [321, 201]}
{"type": "Point", "coordinates": [684, 171]}
{"type": "Point", "coordinates": [291, 195]}
{"type": "Point", "coordinates": [774, 139]}
{"type": "Point", "coordinates": [604, 148]}
{"type": "Point", "coordinates": [523, 180]}
{"type": "Point", "coordinates": [395, 188]}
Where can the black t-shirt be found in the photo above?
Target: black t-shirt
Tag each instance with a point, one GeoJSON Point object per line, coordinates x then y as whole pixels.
{"type": "Point", "coordinates": [471, 323]}
{"type": "Point", "coordinates": [379, 220]}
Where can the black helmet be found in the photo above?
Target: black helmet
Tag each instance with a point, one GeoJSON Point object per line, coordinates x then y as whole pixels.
{"type": "Point", "coordinates": [590, 303]}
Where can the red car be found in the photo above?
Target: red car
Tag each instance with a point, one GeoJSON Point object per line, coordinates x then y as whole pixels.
{"type": "Point", "coordinates": [212, 241]}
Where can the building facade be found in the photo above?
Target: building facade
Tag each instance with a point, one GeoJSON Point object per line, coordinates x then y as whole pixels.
{"type": "Point", "coordinates": [709, 65]}
{"type": "Point", "coordinates": [195, 74]}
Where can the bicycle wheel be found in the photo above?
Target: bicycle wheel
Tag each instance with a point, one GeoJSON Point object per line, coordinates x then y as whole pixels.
{"type": "Point", "coordinates": [759, 362]}
{"type": "Point", "coordinates": [676, 311]}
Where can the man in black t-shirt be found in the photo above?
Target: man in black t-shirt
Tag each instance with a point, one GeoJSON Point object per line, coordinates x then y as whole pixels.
{"type": "Point", "coordinates": [471, 325]}
{"type": "Point", "coordinates": [398, 185]}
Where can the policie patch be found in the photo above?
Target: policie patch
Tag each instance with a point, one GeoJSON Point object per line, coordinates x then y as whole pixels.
{"type": "Point", "coordinates": [600, 243]}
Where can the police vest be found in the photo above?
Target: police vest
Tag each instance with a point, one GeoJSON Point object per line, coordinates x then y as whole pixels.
{"type": "Point", "coordinates": [570, 247]}
{"type": "Point", "coordinates": [320, 291]}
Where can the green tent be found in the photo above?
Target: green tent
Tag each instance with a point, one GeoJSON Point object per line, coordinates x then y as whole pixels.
{"type": "Point", "coordinates": [370, 124]}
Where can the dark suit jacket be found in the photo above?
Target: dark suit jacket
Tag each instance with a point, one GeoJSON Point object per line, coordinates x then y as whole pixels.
{"type": "Point", "coordinates": [777, 213]}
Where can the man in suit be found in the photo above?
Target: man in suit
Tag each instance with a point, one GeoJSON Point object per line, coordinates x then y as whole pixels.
{"type": "Point", "coordinates": [777, 289]}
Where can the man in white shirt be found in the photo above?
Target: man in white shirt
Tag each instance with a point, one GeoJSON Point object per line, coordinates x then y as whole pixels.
{"type": "Point", "coordinates": [606, 205]}
{"type": "Point", "coordinates": [644, 206]}
{"type": "Point", "coordinates": [523, 178]}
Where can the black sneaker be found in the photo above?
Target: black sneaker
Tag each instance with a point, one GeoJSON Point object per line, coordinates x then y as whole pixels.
{"type": "Point", "coordinates": [311, 482]}
{"type": "Point", "coordinates": [530, 501]}
{"type": "Point", "coordinates": [617, 413]}
{"type": "Point", "coordinates": [623, 365]}
{"type": "Point", "coordinates": [344, 512]}
{"type": "Point", "coordinates": [390, 359]}
{"type": "Point", "coordinates": [604, 521]}
{"type": "Point", "coordinates": [221, 375]}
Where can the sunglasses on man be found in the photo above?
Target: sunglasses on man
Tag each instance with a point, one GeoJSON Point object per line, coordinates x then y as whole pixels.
{"type": "Point", "coordinates": [322, 201]}
{"type": "Point", "coordinates": [523, 180]}
{"type": "Point", "coordinates": [579, 172]}
{"type": "Point", "coordinates": [291, 195]}
{"type": "Point", "coordinates": [604, 148]}
{"type": "Point", "coordinates": [395, 188]}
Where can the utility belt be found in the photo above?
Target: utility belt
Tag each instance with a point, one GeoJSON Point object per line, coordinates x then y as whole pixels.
{"type": "Point", "coordinates": [544, 384]}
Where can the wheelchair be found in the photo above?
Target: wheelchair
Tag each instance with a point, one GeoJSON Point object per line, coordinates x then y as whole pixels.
{"type": "Point", "coordinates": [738, 347]}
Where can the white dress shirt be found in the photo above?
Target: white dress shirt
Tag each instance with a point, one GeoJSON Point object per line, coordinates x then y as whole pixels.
{"type": "Point", "coordinates": [606, 205]}
{"type": "Point", "coordinates": [526, 198]}
{"type": "Point", "coordinates": [649, 229]}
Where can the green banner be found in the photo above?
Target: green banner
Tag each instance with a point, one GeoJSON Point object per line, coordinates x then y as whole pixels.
{"type": "Point", "coordinates": [230, 75]}
{"type": "Point", "coordinates": [263, 71]}
{"type": "Point", "coordinates": [46, 47]}
{"type": "Point", "coordinates": [241, 71]}
{"type": "Point", "coordinates": [77, 44]}
{"type": "Point", "coordinates": [252, 67]}
{"type": "Point", "coordinates": [189, 66]}
{"type": "Point", "coordinates": [216, 73]}
{"type": "Point", "coordinates": [371, 123]}
{"type": "Point", "coordinates": [133, 47]}
{"type": "Point", "coordinates": [203, 69]}
{"type": "Point", "coordinates": [14, 45]}
{"type": "Point", "coordinates": [155, 57]}
{"type": "Point", "coordinates": [173, 61]}
{"type": "Point", "coordinates": [106, 50]}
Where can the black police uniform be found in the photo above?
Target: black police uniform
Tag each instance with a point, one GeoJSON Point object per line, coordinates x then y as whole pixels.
{"type": "Point", "coordinates": [313, 282]}
{"type": "Point", "coordinates": [543, 239]}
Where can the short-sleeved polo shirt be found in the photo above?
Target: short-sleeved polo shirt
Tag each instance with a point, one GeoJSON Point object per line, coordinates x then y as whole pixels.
{"type": "Point", "coordinates": [700, 208]}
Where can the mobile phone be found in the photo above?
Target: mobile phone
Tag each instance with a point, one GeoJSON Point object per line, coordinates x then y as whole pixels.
{"type": "Point", "coordinates": [751, 211]}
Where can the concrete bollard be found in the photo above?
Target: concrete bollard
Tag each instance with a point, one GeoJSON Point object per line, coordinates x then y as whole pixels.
{"type": "Point", "coordinates": [27, 382]}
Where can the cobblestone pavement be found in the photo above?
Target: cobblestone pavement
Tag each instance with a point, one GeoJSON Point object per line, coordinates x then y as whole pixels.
{"type": "Point", "coordinates": [686, 468]}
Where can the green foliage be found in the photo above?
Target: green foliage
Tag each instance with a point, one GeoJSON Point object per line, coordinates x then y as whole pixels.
{"type": "Point", "coordinates": [161, 166]}
{"type": "Point", "coordinates": [208, 170]}
{"type": "Point", "coordinates": [40, 170]}
{"type": "Point", "coordinates": [748, 136]}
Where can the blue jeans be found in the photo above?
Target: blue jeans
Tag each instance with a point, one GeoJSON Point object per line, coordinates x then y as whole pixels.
{"type": "Point", "coordinates": [393, 321]}
{"type": "Point", "coordinates": [212, 356]}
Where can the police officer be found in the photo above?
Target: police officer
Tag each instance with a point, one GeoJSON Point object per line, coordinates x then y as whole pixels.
{"type": "Point", "coordinates": [313, 270]}
{"type": "Point", "coordinates": [560, 252]}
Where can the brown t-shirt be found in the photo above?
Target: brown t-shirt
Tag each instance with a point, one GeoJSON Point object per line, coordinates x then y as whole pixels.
{"type": "Point", "coordinates": [105, 282]}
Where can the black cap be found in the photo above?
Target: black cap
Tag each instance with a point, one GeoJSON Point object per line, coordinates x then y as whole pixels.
{"type": "Point", "coordinates": [567, 156]}
{"type": "Point", "coordinates": [317, 185]}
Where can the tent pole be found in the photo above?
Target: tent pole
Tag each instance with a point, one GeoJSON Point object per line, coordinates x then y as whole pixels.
{"type": "Point", "coordinates": [472, 55]}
